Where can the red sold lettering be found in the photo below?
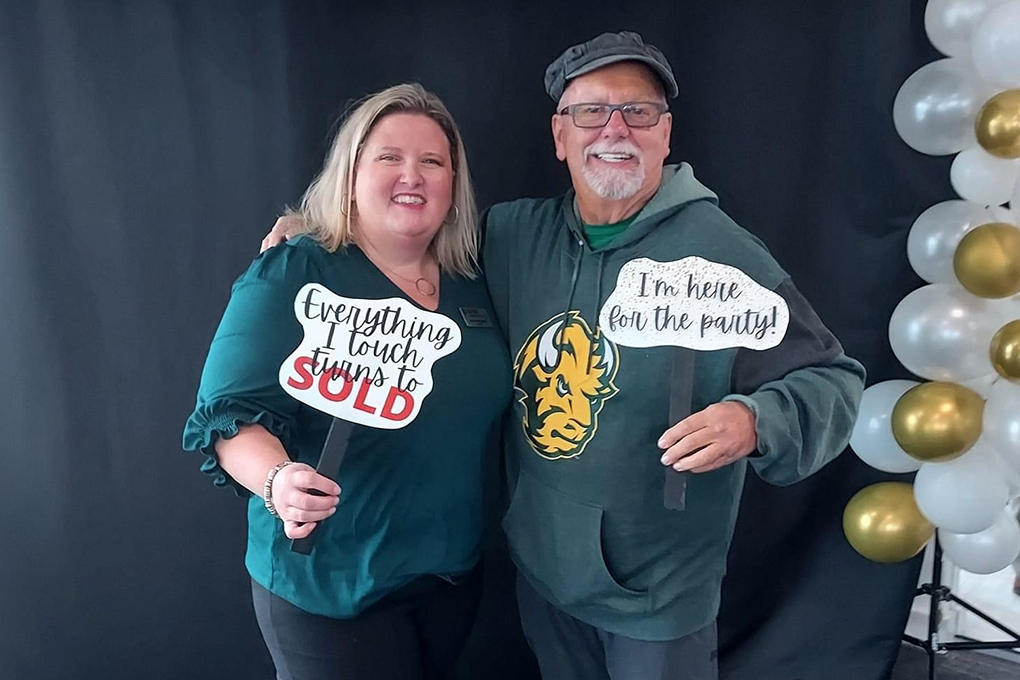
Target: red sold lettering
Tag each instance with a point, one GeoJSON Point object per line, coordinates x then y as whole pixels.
{"type": "Point", "coordinates": [391, 398]}
{"type": "Point", "coordinates": [359, 402]}
{"type": "Point", "coordinates": [344, 392]}
{"type": "Point", "coordinates": [398, 404]}
{"type": "Point", "coordinates": [301, 366]}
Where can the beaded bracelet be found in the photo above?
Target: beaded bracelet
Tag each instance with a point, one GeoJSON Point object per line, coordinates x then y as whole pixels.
{"type": "Point", "coordinates": [267, 488]}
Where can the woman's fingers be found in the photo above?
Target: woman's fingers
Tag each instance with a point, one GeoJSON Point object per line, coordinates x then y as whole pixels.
{"type": "Point", "coordinates": [297, 529]}
{"type": "Point", "coordinates": [303, 496]}
{"type": "Point", "coordinates": [302, 487]}
{"type": "Point", "coordinates": [296, 514]}
{"type": "Point", "coordinates": [308, 478]}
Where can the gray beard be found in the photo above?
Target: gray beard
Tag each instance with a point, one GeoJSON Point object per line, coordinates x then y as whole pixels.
{"type": "Point", "coordinates": [613, 184]}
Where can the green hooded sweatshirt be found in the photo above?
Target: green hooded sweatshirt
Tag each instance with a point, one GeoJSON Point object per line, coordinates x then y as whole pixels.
{"type": "Point", "coordinates": [587, 524]}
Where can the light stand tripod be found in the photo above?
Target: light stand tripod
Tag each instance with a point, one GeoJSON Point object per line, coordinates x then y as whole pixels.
{"type": "Point", "coordinates": [940, 593]}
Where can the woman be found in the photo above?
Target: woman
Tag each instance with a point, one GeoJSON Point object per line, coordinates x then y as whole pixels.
{"type": "Point", "coordinates": [391, 587]}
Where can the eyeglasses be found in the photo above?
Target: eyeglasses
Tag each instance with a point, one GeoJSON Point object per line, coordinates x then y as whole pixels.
{"type": "Point", "coordinates": [635, 114]}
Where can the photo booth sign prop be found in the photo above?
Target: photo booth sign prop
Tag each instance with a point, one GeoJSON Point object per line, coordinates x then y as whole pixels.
{"type": "Point", "coordinates": [693, 303]}
{"type": "Point", "coordinates": [365, 361]}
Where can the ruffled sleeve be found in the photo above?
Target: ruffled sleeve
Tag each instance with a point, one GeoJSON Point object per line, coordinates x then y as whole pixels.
{"type": "Point", "coordinates": [240, 383]}
{"type": "Point", "coordinates": [222, 418]}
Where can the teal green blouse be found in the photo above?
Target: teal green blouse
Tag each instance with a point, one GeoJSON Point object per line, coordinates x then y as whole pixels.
{"type": "Point", "coordinates": [412, 497]}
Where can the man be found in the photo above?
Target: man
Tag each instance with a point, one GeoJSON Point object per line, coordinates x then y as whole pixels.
{"type": "Point", "coordinates": [659, 348]}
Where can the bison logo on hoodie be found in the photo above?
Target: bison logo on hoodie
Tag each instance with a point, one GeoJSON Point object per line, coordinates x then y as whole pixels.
{"type": "Point", "coordinates": [563, 374]}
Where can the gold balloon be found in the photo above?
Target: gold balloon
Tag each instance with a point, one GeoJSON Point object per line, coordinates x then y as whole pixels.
{"type": "Point", "coordinates": [998, 125]}
{"type": "Point", "coordinates": [937, 421]}
{"type": "Point", "coordinates": [1005, 351]}
{"type": "Point", "coordinates": [987, 261]}
{"type": "Point", "coordinates": [882, 522]}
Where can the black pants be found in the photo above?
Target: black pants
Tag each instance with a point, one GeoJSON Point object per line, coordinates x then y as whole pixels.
{"type": "Point", "coordinates": [569, 649]}
{"type": "Point", "coordinates": [415, 633]}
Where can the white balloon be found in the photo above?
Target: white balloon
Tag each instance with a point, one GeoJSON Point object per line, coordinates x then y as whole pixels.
{"type": "Point", "coordinates": [1010, 475]}
{"type": "Point", "coordinates": [1014, 202]}
{"type": "Point", "coordinates": [1008, 309]}
{"type": "Point", "coordinates": [936, 233]}
{"type": "Point", "coordinates": [995, 44]}
{"type": "Point", "coordinates": [950, 23]}
{"type": "Point", "coordinates": [985, 552]}
{"type": "Point", "coordinates": [872, 438]}
{"type": "Point", "coordinates": [982, 385]}
{"type": "Point", "coordinates": [1000, 425]}
{"type": "Point", "coordinates": [1003, 214]}
{"type": "Point", "coordinates": [942, 332]}
{"type": "Point", "coordinates": [935, 108]}
{"type": "Point", "coordinates": [964, 495]}
{"type": "Point", "coordinates": [979, 176]}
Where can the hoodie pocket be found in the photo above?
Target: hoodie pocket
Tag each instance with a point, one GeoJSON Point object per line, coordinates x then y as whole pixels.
{"type": "Point", "coordinates": [558, 541]}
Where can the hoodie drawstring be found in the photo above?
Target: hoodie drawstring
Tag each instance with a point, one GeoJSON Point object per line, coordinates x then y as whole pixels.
{"type": "Point", "coordinates": [598, 300]}
{"type": "Point", "coordinates": [570, 296]}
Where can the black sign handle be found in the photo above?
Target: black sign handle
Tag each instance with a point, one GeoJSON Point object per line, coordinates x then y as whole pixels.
{"type": "Point", "coordinates": [674, 490]}
{"type": "Point", "coordinates": [333, 451]}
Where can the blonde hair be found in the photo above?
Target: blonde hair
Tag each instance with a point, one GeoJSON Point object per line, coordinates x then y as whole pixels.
{"type": "Point", "coordinates": [326, 205]}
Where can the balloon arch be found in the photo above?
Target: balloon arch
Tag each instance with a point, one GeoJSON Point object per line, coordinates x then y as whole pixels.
{"type": "Point", "coordinates": [960, 431]}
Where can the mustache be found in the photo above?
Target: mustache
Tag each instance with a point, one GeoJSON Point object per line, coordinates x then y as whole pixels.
{"type": "Point", "coordinates": [599, 146]}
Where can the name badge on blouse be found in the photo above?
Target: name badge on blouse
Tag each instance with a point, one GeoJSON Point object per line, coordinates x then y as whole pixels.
{"type": "Point", "coordinates": [475, 317]}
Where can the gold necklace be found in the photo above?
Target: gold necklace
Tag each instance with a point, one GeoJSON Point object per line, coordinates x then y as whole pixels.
{"type": "Point", "coordinates": [429, 288]}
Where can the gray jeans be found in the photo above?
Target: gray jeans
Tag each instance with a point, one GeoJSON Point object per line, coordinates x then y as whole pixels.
{"type": "Point", "coordinates": [569, 649]}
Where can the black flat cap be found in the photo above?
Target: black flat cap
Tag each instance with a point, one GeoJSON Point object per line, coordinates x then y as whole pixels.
{"type": "Point", "coordinates": [606, 49]}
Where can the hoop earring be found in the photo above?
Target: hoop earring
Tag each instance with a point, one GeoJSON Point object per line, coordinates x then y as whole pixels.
{"type": "Point", "coordinates": [343, 202]}
{"type": "Point", "coordinates": [456, 215]}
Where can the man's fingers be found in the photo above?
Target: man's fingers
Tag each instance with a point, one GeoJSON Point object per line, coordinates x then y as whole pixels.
{"type": "Point", "coordinates": [709, 458]}
{"type": "Point", "coordinates": [688, 445]}
{"type": "Point", "coordinates": [285, 227]}
{"type": "Point", "coordinates": [286, 223]}
{"type": "Point", "coordinates": [270, 241]}
{"type": "Point", "coordinates": [685, 427]}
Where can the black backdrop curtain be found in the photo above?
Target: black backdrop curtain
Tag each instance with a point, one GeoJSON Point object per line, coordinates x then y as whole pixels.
{"type": "Point", "coordinates": [145, 148]}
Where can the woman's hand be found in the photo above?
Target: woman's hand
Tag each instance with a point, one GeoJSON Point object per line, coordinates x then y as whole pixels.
{"type": "Point", "coordinates": [303, 498]}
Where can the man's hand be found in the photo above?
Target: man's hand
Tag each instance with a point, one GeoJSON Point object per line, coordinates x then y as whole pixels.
{"type": "Point", "coordinates": [709, 439]}
{"type": "Point", "coordinates": [285, 227]}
